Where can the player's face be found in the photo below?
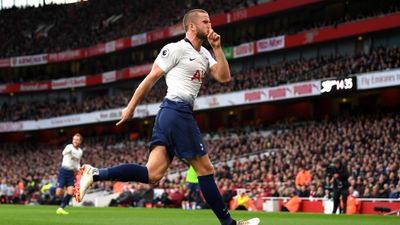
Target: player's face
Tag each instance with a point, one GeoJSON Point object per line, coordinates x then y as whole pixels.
{"type": "Point", "coordinates": [76, 141]}
{"type": "Point", "coordinates": [202, 25]}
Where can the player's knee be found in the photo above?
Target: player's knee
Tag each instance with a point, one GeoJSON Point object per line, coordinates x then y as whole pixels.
{"type": "Point", "coordinates": [155, 177]}
{"type": "Point", "coordinates": [59, 191]}
{"type": "Point", "coordinates": [210, 170]}
{"type": "Point", "coordinates": [70, 191]}
{"type": "Point", "coordinates": [205, 170]}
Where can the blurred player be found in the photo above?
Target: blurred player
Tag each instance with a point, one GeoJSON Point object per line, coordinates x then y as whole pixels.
{"type": "Point", "coordinates": [175, 132]}
{"type": "Point", "coordinates": [71, 163]}
{"type": "Point", "coordinates": [193, 198]}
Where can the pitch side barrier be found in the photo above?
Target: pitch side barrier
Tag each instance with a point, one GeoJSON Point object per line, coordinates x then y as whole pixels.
{"type": "Point", "coordinates": [377, 206]}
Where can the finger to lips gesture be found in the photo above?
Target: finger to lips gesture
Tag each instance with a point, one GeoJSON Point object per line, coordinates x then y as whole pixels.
{"type": "Point", "coordinates": [214, 39]}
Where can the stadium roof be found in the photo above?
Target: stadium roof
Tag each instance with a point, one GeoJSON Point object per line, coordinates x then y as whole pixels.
{"type": "Point", "coordinates": [4, 4]}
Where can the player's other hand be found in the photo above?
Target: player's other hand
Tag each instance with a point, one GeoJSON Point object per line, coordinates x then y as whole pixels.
{"type": "Point", "coordinates": [126, 115]}
{"type": "Point", "coordinates": [214, 39]}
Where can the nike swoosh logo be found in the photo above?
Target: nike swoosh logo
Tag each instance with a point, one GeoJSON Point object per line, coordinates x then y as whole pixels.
{"type": "Point", "coordinates": [191, 59]}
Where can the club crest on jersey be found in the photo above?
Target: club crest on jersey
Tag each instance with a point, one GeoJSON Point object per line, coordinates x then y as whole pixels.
{"type": "Point", "coordinates": [165, 52]}
{"type": "Point", "coordinates": [198, 75]}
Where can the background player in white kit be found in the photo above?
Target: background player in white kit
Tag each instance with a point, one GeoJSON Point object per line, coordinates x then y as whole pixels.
{"type": "Point", "coordinates": [71, 163]}
{"type": "Point", "coordinates": [175, 131]}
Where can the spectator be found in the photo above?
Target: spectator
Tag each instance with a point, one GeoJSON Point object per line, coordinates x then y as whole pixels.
{"type": "Point", "coordinates": [353, 203]}
{"type": "Point", "coordinates": [125, 198]}
{"type": "Point", "coordinates": [394, 193]}
{"type": "Point", "coordinates": [320, 193]}
{"type": "Point", "coordinates": [303, 178]}
{"type": "Point", "coordinates": [143, 195]}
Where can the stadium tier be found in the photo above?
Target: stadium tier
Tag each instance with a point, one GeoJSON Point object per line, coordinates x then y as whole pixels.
{"type": "Point", "coordinates": [287, 34]}
{"type": "Point", "coordinates": [268, 76]}
{"type": "Point", "coordinates": [303, 115]}
{"type": "Point", "coordinates": [55, 28]}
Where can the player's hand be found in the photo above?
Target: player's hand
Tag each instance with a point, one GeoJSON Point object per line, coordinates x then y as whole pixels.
{"type": "Point", "coordinates": [214, 39]}
{"type": "Point", "coordinates": [126, 115]}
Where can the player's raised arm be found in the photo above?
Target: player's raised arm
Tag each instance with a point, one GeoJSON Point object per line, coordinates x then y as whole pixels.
{"type": "Point", "coordinates": [143, 88]}
{"type": "Point", "coordinates": [219, 71]}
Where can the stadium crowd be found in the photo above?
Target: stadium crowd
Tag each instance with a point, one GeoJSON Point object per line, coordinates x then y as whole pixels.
{"type": "Point", "coordinates": [82, 34]}
{"type": "Point", "coordinates": [54, 28]}
{"type": "Point", "coordinates": [368, 145]}
{"type": "Point", "coordinates": [271, 75]}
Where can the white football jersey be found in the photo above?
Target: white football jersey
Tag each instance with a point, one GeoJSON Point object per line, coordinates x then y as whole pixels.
{"type": "Point", "coordinates": [184, 68]}
{"type": "Point", "coordinates": [72, 157]}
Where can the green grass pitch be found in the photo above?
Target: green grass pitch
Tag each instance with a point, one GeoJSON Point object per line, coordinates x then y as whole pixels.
{"type": "Point", "coordinates": [45, 215]}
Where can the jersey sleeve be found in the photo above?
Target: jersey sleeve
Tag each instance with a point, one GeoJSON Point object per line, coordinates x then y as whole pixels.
{"type": "Point", "coordinates": [66, 150]}
{"type": "Point", "coordinates": [168, 57]}
{"type": "Point", "coordinates": [211, 60]}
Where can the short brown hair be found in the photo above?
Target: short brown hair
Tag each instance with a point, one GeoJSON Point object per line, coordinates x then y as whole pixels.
{"type": "Point", "coordinates": [189, 17]}
{"type": "Point", "coordinates": [79, 135]}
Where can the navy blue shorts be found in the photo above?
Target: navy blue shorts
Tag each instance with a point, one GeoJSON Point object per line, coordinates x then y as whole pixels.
{"type": "Point", "coordinates": [177, 130]}
{"type": "Point", "coordinates": [66, 178]}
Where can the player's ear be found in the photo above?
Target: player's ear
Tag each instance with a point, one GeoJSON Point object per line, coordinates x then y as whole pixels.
{"type": "Point", "coordinates": [191, 26]}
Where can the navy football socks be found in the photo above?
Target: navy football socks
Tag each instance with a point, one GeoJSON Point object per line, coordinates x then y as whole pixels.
{"type": "Point", "coordinates": [214, 199]}
{"type": "Point", "coordinates": [65, 200]}
{"type": "Point", "coordinates": [124, 172]}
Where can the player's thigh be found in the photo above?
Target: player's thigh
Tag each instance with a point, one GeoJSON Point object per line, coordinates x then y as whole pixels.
{"type": "Point", "coordinates": [158, 163]}
{"type": "Point", "coordinates": [202, 165]}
